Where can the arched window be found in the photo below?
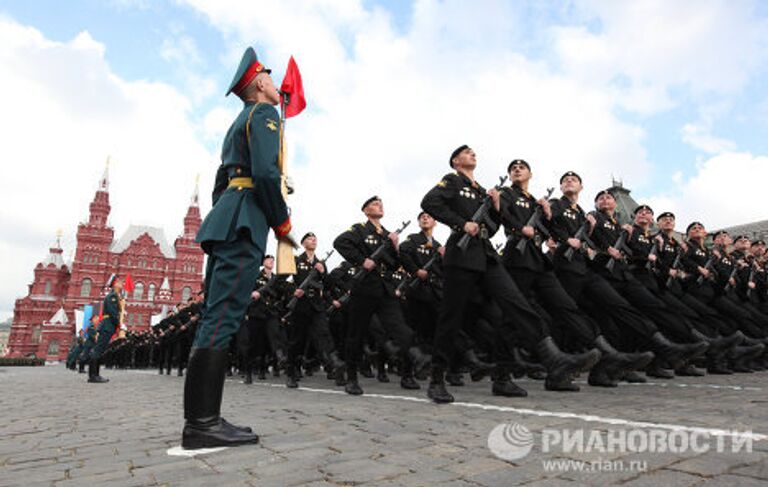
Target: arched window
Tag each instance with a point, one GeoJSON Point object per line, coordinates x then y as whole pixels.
{"type": "Point", "coordinates": [47, 291]}
{"type": "Point", "coordinates": [151, 292]}
{"type": "Point", "coordinates": [186, 293]}
{"type": "Point", "coordinates": [85, 288]}
{"type": "Point", "coordinates": [142, 263]}
{"type": "Point", "coordinates": [53, 347]}
{"type": "Point", "coordinates": [138, 291]}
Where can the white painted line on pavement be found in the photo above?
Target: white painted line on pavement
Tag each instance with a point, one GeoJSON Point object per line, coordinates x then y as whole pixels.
{"type": "Point", "coordinates": [178, 451]}
{"type": "Point", "coordinates": [552, 414]}
{"type": "Point", "coordinates": [664, 384]}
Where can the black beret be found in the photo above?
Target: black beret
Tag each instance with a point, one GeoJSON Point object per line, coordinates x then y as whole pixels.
{"type": "Point", "coordinates": [642, 207]}
{"type": "Point", "coordinates": [310, 234]}
{"type": "Point", "coordinates": [369, 201]}
{"type": "Point", "coordinates": [692, 224]}
{"type": "Point", "coordinates": [605, 191]}
{"type": "Point", "coordinates": [569, 173]}
{"type": "Point", "coordinates": [422, 212]}
{"type": "Point", "coordinates": [665, 215]}
{"type": "Point", "coordinates": [758, 242]}
{"type": "Point", "coordinates": [740, 237]}
{"type": "Point", "coordinates": [456, 152]}
{"type": "Point", "coordinates": [518, 161]}
{"type": "Point", "coordinates": [720, 232]}
{"type": "Point", "coordinates": [268, 256]}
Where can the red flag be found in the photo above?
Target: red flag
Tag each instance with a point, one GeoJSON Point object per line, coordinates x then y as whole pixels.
{"type": "Point", "coordinates": [293, 86]}
{"type": "Point", "coordinates": [128, 286]}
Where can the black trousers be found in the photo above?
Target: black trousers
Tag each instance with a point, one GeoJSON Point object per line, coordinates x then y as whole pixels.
{"type": "Point", "coordinates": [361, 310]}
{"type": "Point", "coordinates": [622, 324]}
{"type": "Point", "coordinates": [667, 320]}
{"type": "Point", "coordinates": [569, 323]}
{"type": "Point", "coordinates": [422, 318]}
{"type": "Point", "coordinates": [309, 326]}
{"type": "Point", "coordinates": [519, 317]}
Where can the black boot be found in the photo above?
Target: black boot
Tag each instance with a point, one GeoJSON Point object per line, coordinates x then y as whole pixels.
{"type": "Point", "coordinates": [352, 386]}
{"type": "Point", "coordinates": [180, 372]}
{"type": "Point", "coordinates": [248, 374]}
{"type": "Point", "coordinates": [454, 379]}
{"type": "Point", "coordinates": [478, 369]}
{"type": "Point", "coordinates": [717, 365]}
{"type": "Point", "coordinates": [562, 366]}
{"type": "Point", "coordinates": [675, 353]}
{"type": "Point", "coordinates": [81, 367]}
{"type": "Point", "coordinates": [419, 359]}
{"type": "Point", "coordinates": [290, 376]}
{"type": "Point", "coordinates": [204, 427]}
{"type": "Point", "coordinates": [93, 372]}
{"type": "Point", "coordinates": [436, 390]}
{"type": "Point", "coordinates": [632, 377]}
{"type": "Point", "coordinates": [521, 366]}
{"type": "Point", "coordinates": [689, 370]}
{"type": "Point", "coordinates": [502, 385]}
{"type": "Point", "coordinates": [656, 369]}
{"type": "Point", "coordinates": [381, 368]}
{"type": "Point", "coordinates": [261, 368]}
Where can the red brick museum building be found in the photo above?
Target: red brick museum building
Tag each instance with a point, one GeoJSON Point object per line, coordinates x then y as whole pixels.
{"type": "Point", "coordinates": [44, 320]}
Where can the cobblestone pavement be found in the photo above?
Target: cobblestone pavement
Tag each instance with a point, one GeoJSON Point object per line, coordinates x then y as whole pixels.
{"type": "Point", "coordinates": [57, 430]}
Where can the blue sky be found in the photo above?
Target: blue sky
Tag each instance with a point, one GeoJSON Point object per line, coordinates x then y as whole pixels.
{"type": "Point", "coordinates": [671, 97]}
{"type": "Point", "coordinates": [132, 31]}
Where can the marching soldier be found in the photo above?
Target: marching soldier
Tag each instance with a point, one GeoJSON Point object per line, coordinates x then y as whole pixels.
{"type": "Point", "coordinates": [533, 272]}
{"type": "Point", "coordinates": [247, 202]}
{"type": "Point", "coordinates": [454, 202]}
{"type": "Point", "coordinates": [309, 320]}
{"type": "Point", "coordinates": [112, 311]}
{"type": "Point", "coordinates": [375, 294]}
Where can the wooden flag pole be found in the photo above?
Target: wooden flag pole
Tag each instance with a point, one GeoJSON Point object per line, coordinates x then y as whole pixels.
{"type": "Point", "coordinates": [286, 264]}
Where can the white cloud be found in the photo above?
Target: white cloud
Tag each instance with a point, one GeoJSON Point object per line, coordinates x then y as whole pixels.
{"type": "Point", "coordinates": [387, 108]}
{"type": "Point", "coordinates": [704, 46]}
{"type": "Point", "coordinates": [64, 111]}
{"type": "Point", "coordinates": [728, 189]}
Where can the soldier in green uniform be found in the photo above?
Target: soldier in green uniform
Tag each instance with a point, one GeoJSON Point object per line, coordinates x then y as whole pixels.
{"type": "Point", "coordinates": [110, 321]}
{"type": "Point", "coordinates": [247, 201]}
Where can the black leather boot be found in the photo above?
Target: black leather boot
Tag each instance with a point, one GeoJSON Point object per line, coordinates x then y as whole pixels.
{"type": "Point", "coordinates": [261, 368]}
{"type": "Point", "coordinates": [675, 353]}
{"type": "Point", "coordinates": [478, 369]}
{"type": "Point", "coordinates": [454, 379]}
{"type": "Point", "coordinates": [502, 385]}
{"type": "Point", "coordinates": [352, 386]}
{"type": "Point", "coordinates": [436, 390]}
{"type": "Point", "coordinates": [419, 359]}
{"type": "Point", "coordinates": [562, 366]}
{"type": "Point", "coordinates": [633, 377]}
{"type": "Point", "coordinates": [656, 369]}
{"type": "Point", "coordinates": [689, 370]}
{"type": "Point", "coordinates": [203, 388]}
{"type": "Point", "coordinates": [290, 375]}
{"type": "Point", "coordinates": [93, 372]}
{"type": "Point", "coordinates": [381, 368]}
{"type": "Point", "coordinates": [248, 379]}
{"type": "Point", "coordinates": [81, 367]}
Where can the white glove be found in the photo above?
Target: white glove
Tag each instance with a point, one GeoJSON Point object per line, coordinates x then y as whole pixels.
{"type": "Point", "coordinates": [289, 184]}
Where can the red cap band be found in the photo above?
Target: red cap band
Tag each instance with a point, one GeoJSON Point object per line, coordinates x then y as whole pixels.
{"type": "Point", "coordinates": [250, 73]}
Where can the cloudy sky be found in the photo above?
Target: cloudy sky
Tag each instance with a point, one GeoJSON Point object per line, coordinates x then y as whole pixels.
{"type": "Point", "coordinates": [669, 96]}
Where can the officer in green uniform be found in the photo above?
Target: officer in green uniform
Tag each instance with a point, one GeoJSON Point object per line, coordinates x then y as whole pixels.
{"type": "Point", "coordinates": [110, 320]}
{"type": "Point", "coordinates": [247, 201]}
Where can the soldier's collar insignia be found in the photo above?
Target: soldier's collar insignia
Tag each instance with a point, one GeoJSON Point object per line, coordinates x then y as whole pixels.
{"type": "Point", "coordinates": [271, 124]}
